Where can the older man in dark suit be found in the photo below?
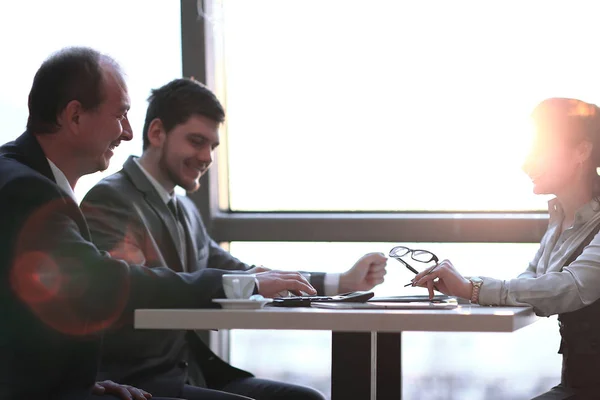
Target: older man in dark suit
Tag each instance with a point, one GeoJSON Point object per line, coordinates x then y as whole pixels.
{"type": "Point", "coordinates": [59, 292]}
{"type": "Point", "coordinates": [136, 215]}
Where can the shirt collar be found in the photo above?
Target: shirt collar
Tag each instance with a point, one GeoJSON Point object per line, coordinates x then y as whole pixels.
{"type": "Point", "coordinates": [584, 214]}
{"type": "Point", "coordinates": [61, 180]}
{"type": "Point", "coordinates": [162, 192]}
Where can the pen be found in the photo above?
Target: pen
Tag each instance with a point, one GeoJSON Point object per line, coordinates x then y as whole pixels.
{"type": "Point", "coordinates": [429, 272]}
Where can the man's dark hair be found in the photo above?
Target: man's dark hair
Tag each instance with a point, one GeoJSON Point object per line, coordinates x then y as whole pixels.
{"type": "Point", "coordinates": [177, 101]}
{"type": "Point", "coordinates": [73, 73]}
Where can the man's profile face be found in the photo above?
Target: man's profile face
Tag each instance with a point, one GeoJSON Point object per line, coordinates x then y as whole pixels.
{"type": "Point", "coordinates": [103, 129]}
{"type": "Point", "coordinates": [188, 150]}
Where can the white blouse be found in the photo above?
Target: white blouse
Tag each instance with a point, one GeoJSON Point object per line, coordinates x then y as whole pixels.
{"type": "Point", "coordinates": [546, 285]}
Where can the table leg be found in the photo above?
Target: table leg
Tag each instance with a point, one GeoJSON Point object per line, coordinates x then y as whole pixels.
{"type": "Point", "coordinates": [366, 366]}
{"type": "Point", "coordinates": [389, 366]}
{"type": "Point", "coordinates": [350, 365]}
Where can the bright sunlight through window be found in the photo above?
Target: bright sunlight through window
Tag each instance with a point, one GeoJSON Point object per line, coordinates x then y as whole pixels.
{"type": "Point", "coordinates": [394, 105]}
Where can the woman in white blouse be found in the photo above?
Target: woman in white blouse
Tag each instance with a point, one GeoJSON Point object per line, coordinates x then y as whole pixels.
{"type": "Point", "coordinates": [564, 276]}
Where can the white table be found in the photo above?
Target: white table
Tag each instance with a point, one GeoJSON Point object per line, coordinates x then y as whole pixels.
{"type": "Point", "coordinates": [366, 344]}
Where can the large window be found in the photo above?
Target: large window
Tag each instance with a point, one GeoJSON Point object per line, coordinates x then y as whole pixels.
{"type": "Point", "coordinates": [396, 122]}
{"type": "Point", "coordinates": [31, 30]}
{"type": "Point", "coordinates": [394, 105]}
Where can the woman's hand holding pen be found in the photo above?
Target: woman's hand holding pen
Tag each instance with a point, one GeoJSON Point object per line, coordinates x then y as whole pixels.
{"type": "Point", "coordinates": [446, 280]}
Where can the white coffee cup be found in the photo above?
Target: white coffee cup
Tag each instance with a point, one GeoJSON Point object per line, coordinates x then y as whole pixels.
{"type": "Point", "coordinates": [239, 286]}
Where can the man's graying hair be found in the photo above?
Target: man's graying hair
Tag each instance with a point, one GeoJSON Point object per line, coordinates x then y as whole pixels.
{"type": "Point", "coordinates": [73, 73]}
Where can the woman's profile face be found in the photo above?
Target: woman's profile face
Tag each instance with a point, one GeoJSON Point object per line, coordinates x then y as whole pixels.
{"type": "Point", "coordinates": [553, 162]}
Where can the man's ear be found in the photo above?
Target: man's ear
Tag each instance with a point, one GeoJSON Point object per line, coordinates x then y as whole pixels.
{"type": "Point", "coordinates": [71, 115]}
{"type": "Point", "coordinates": [156, 133]}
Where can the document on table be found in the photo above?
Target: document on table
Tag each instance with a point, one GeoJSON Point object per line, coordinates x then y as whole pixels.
{"type": "Point", "coordinates": [417, 305]}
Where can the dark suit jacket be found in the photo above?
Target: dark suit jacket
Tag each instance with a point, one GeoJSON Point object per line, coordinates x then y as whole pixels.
{"type": "Point", "coordinates": [127, 216]}
{"type": "Point", "coordinates": [58, 292]}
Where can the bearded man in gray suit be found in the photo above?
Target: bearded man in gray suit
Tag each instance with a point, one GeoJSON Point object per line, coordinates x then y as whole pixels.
{"type": "Point", "coordinates": [134, 214]}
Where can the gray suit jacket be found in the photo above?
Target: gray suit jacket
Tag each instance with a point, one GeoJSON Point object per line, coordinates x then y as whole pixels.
{"type": "Point", "coordinates": [128, 218]}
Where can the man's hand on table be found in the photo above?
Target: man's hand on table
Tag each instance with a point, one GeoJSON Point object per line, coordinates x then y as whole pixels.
{"type": "Point", "coordinates": [257, 269]}
{"type": "Point", "coordinates": [272, 283]}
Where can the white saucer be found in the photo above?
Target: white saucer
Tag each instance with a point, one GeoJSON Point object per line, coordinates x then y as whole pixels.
{"type": "Point", "coordinates": [243, 304]}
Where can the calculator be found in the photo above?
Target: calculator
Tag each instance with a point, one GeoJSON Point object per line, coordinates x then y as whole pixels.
{"type": "Point", "coordinates": [306, 301]}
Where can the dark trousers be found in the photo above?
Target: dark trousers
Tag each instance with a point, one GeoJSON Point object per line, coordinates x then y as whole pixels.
{"type": "Point", "coordinates": [113, 397]}
{"type": "Point", "coordinates": [242, 389]}
{"type": "Point", "coordinates": [561, 392]}
{"type": "Point", "coordinates": [170, 385]}
{"type": "Point", "coordinates": [239, 389]}
{"type": "Point", "coordinates": [260, 389]}
{"type": "Point", "coordinates": [198, 393]}
{"type": "Point", "coordinates": [579, 375]}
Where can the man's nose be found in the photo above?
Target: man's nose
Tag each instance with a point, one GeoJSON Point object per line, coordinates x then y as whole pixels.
{"type": "Point", "coordinates": [205, 155]}
{"type": "Point", "coordinates": [127, 131]}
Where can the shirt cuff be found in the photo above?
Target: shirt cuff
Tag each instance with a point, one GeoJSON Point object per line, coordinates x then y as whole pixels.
{"type": "Point", "coordinates": [490, 293]}
{"type": "Point", "coordinates": [331, 284]}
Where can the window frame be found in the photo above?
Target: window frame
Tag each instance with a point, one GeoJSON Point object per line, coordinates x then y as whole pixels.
{"type": "Point", "coordinates": [225, 225]}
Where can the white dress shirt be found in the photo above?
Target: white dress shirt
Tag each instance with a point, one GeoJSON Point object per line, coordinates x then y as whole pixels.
{"type": "Point", "coordinates": [546, 285]}
{"type": "Point", "coordinates": [332, 281]}
{"type": "Point", "coordinates": [61, 180]}
{"type": "Point", "coordinates": [166, 197]}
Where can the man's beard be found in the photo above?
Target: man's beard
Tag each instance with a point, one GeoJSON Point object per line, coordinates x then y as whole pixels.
{"type": "Point", "coordinates": [173, 177]}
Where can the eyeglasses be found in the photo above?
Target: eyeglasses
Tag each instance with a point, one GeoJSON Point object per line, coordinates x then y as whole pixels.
{"type": "Point", "coordinates": [422, 256]}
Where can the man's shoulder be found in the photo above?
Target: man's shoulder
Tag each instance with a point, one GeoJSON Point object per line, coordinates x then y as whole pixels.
{"type": "Point", "coordinates": [23, 189]}
{"type": "Point", "coordinates": [13, 172]}
{"type": "Point", "coordinates": [116, 185]}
